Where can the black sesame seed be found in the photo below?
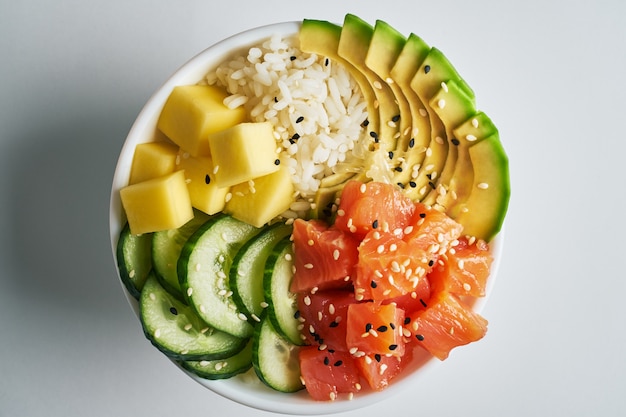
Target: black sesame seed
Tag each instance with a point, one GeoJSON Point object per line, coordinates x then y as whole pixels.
{"type": "Point", "coordinates": [295, 136]}
{"type": "Point", "coordinates": [395, 118]}
{"type": "Point", "coordinates": [326, 360]}
{"type": "Point", "coordinates": [207, 179]}
{"type": "Point", "coordinates": [326, 62]}
{"type": "Point", "coordinates": [419, 337]}
{"type": "Point", "coordinates": [292, 57]}
{"type": "Point", "coordinates": [423, 303]}
{"type": "Point", "coordinates": [407, 320]}
{"type": "Point", "coordinates": [431, 262]}
{"type": "Point", "coordinates": [381, 329]}
{"type": "Point", "coordinates": [432, 185]}
{"type": "Point", "coordinates": [393, 326]}
{"type": "Point", "coordinates": [300, 119]}
{"type": "Point", "coordinates": [173, 311]}
{"type": "Point", "coordinates": [413, 184]}
{"type": "Point", "coordinates": [296, 315]}
{"type": "Point", "coordinates": [277, 162]}
{"type": "Point", "coordinates": [375, 224]}
{"type": "Point", "coordinates": [398, 169]}
{"type": "Point", "coordinates": [334, 324]}
{"type": "Point", "coordinates": [427, 69]}
{"type": "Point", "coordinates": [374, 135]}
{"type": "Point", "coordinates": [429, 176]}
{"type": "Point", "coordinates": [422, 215]}
{"type": "Point", "coordinates": [331, 350]}
{"type": "Point", "coordinates": [455, 141]}
{"type": "Point", "coordinates": [390, 154]}
{"type": "Point", "coordinates": [377, 357]}
{"type": "Point", "coordinates": [373, 284]}
{"type": "Point", "coordinates": [338, 363]}
{"type": "Point", "coordinates": [365, 123]}
{"type": "Point", "coordinates": [368, 327]}
{"type": "Point", "coordinates": [275, 99]}
{"type": "Point", "coordinates": [393, 347]}
{"type": "Point", "coordinates": [412, 143]}
{"type": "Point", "coordinates": [399, 184]}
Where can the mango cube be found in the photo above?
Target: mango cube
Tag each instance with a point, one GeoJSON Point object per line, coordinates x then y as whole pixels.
{"type": "Point", "coordinates": [205, 195]}
{"type": "Point", "coordinates": [260, 200]}
{"type": "Point", "coordinates": [158, 204]}
{"type": "Point", "coordinates": [192, 112]}
{"type": "Point", "coordinates": [243, 152]}
{"type": "Point", "coordinates": [152, 160]}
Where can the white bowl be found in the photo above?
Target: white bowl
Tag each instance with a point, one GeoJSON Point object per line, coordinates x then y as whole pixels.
{"type": "Point", "coordinates": [247, 389]}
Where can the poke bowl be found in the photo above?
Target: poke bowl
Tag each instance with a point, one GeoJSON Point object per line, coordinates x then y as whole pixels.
{"type": "Point", "coordinates": [356, 138]}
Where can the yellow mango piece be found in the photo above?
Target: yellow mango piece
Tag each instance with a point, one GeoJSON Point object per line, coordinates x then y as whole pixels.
{"type": "Point", "coordinates": [161, 203]}
{"type": "Point", "coordinates": [152, 160]}
{"type": "Point", "coordinates": [243, 152]}
{"type": "Point", "coordinates": [192, 112]}
{"type": "Point", "coordinates": [260, 200]}
{"type": "Point", "coordinates": [205, 195]}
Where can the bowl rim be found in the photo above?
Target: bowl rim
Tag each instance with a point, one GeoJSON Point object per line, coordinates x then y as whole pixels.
{"type": "Point", "coordinates": [239, 389]}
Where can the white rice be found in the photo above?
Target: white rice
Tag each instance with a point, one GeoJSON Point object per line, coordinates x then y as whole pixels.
{"type": "Point", "coordinates": [300, 94]}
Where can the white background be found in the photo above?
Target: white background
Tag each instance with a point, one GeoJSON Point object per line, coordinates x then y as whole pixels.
{"type": "Point", "coordinates": [73, 76]}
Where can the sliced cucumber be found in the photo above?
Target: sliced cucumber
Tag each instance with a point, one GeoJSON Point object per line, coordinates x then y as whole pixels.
{"type": "Point", "coordinates": [246, 273]}
{"type": "Point", "coordinates": [176, 330]}
{"type": "Point", "coordinates": [222, 368]}
{"type": "Point", "coordinates": [282, 304]}
{"type": "Point", "coordinates": [133, 260]}
{"type": "Point", "coordinates": [203, 267]}
{"type": "Point", "coordinates": [166, 247]}
{"type": "Point", "coordinates": [275, 359]}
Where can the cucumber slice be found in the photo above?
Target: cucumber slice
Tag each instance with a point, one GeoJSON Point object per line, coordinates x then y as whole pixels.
{"type": "Point", "coordinates": [166, 247]}
{"type": "Point", "coordinates": [275, 359]}
{"type": "Point", "coordinates": [222, 368]}
{"type": "Point", "coordinates": [176, 330]}
{"type": "Point", "coordinates": [133, 260]}
{"type": "Point", "coordinates": [282, 304]}
{"type": "Point", "coordinates": [203, 267]}
{"type": "Point", "coordinates": [246, 273]}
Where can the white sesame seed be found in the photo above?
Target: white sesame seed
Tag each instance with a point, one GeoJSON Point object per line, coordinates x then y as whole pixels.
{"type": "Point", "coordinates": [444, 86]}
{"type": "Point", "coordinates": [157, 333]}
{"type": "Point", "coordinates": [475, 122]}
{"type": "Point", "coordinates": [189, 291]}
{"type": "Point", "coordinates": [187, 326]}
{"type": "Point", "coordinates": [383, 368]}
{"type": "Point", "coordinates": [363, 188]}
{"type": "Point", "coordinates": [131, 274]}
{"type": "Point", "coordinates": [336, 254]}
{"type": "Point", "coordinates": [308, 266]}
{"type": "Point", "coordinates": [320, 315]}
{"type": "Point", "coordinates": [310, 242]}
{"type": "Point", "coordinates": [307, 300]}
{"type": "Point", "coordinates": [341, 212]}
{"type": "Point", "coordinates": [423, 112]}
{"type": "Point", "coordinates": [353, 350]}
{"type": "Point", "coordinates": [483, 185]}
{"type": "Point", "coordinates": [331, 308]}
{"type": "Point", "coordinates": [228, 197]}
{"type": "Point", "coordinates": [215, 169]}
{"type": "Point", "coordinates": [441, 103]}
{"type": "Point", "coordinates": [470, 138]}
{"type": "Point", "coordinates": [467, 287]}
{"type": "Point", "coordinates": [461, 265]}
{"type": "Point", "coordinates": [380, 249]}
{"type": "Point", "coordinates": [201, 308]}
{"type": "Point", "coordinates": [152, 296]}
{"type": "Point", "coordinates": [263, 304]}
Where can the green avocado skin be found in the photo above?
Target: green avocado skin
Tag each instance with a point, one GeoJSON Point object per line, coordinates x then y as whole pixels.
{"type": "Point", "coordinates": [447, 153]}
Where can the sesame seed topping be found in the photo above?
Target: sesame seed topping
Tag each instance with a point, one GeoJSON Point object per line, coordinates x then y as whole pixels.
{"type": "Point", "coordinates": [419, 337]}
{"type": "Point", "coordinates": [470, 138]}
{"type": "Point", "coordinates": [441, 103]}
{"type": "Point", "coordinates": [308, 266]}
{"type": "Point", "coordinates": [307, 300]}
{"type": "Point", "coordinates": [336, 254]}
{"type": "Point", "coordinates": [483, 185]}
{"type": "Point", "coordinates": [467, 287]}
{"type": "Point", "coordinates": [187, 326]}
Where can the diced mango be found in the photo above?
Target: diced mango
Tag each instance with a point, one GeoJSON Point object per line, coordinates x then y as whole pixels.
{"type": "Point", "coordinates": [243, 152]}
{"type": "Point", "coordinates": [260, 200]}
{"type": "Point", "coordinates": [192, 112]}
{"type": "Point", "coordinates": [205, 195]}
{"type": "Point", "coordinates": [158, 204]}
{"type": "Point", "coordinates": [152, 160]}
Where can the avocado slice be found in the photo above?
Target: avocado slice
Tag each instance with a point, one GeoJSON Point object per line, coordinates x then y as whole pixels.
{"type": "Point", "coordinates": [404, 69]}
{"type": "Point", "coordinates": [354, 42]}
{"type": "Point", "coordinates": [482, 214]}
{"type": "Point", "coordinates": [453, 107]}
{"type": "Point", "coordinates": [383, 51]}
